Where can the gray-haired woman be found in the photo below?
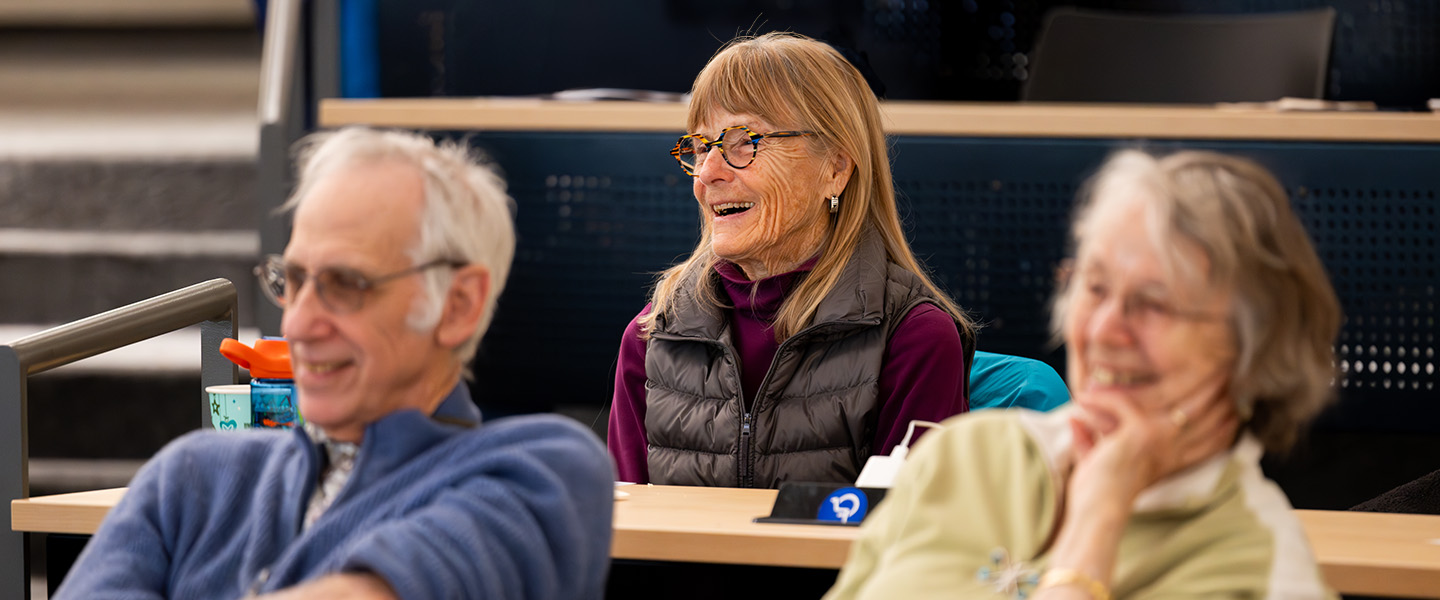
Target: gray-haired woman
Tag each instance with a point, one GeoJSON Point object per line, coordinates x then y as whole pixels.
{"type": "Point", "coordinates": [1199, 325]}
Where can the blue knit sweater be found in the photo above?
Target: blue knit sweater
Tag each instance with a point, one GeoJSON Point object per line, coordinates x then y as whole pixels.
{"type": "Point", "coordinates": [518, 508]}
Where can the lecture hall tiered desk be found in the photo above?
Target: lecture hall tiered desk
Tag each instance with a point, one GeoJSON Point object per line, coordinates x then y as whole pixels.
{"type": "Point", "coordinates": [1361, 553]}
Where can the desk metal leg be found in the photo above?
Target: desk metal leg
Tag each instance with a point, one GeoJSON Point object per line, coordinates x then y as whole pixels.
{"type": "Point", "coordinates": [61, 550]}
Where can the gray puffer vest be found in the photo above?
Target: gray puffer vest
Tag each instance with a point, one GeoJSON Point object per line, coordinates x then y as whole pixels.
{"type": "Point", "coordinates": [814, 416]}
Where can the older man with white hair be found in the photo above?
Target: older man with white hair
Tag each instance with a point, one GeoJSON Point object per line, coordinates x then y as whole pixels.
{"type": "Point", "coordinates": [392, 489]}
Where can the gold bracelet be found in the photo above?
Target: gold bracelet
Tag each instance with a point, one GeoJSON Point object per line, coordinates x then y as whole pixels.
{"type": "Point", "coordinates": [1064, 577]}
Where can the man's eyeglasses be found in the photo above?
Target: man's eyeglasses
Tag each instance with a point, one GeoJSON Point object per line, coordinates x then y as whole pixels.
{"type": "Point", "coordinates": [340, 289]}
{"type": "Point", "coordinates": [737, 144]}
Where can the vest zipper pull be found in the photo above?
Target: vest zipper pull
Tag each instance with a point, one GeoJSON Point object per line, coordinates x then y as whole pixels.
{"type": "Point", "coordinates": [745, 450]}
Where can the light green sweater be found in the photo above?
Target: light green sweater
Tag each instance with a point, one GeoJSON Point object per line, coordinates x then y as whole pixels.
{"type": "Point", "coordinates": [972, 511]}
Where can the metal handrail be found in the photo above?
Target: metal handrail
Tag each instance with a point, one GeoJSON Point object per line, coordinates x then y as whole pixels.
{"type": "Point", "coordinates": [123, 326]}
{"type": "Point", "coordinates": [212, 304]}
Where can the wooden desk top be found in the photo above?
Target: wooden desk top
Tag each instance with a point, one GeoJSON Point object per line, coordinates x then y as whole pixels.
{"type": "Point", "coordinates": [954, 119]}
{"type": "Point", "coordinates": [80, 512]}
{"type": "Point", "coordinates": [1360, 553]}
{"type": "Point", "coordinates": [717, 525]}
{"type": "Point", "coordinates": [1379, 554]}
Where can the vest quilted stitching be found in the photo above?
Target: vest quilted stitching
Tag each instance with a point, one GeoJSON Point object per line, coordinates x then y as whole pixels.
{"type": "Point", "coordinates": [814, 417]}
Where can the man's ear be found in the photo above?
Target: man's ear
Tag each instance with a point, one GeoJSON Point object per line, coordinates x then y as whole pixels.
{"type": "Point", "coordinates": [464, 305]}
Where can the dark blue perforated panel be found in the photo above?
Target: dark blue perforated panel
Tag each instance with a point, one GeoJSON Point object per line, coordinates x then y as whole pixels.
{"type": "Point", "coordinates": [990, 218]}
{"type": "Point", "coordinates": [600, 214]}
{"type": "Point", "coordinates": [1371, 211]}
{"type": "Point", "coordinates": [597, 216]}
{"type": "Point", "coordinates": [990, 224]}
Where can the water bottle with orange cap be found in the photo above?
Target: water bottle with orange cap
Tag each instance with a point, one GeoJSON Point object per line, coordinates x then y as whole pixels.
{"type": "Point", "coordinates": [272, 382]}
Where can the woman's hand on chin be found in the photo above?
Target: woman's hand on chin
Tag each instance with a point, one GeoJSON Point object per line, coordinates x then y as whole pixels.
{"type": "Point", "coordinates": [1121, 447]}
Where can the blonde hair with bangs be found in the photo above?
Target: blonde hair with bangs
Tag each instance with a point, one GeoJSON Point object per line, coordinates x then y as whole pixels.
{"type": "Point", "coordinates": [793, 81]}
{"type": "Point", "coordinates": [1285, 315]}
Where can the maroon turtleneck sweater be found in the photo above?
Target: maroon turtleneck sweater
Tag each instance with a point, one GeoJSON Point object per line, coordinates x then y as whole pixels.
{"type": "Point", "coordinates": [918, 374]}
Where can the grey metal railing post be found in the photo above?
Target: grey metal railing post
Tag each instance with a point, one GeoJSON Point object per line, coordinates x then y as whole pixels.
{"type": "Point", "coordinates": [14, 471]}
{"type": "Point", "coordinates": [282, 121]}
{"type": "Point", "coordinates": [212, 304]}
{"type": "Point", "coordinates": [215, 369]}
{"type": "Point", "coordinates": [324, 47]}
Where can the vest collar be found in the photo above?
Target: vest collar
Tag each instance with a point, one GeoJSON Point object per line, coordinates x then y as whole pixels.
{"type": "Point", "coordinates": [859, 294]}
{"type": "Point", "coordinates": [858, 297]}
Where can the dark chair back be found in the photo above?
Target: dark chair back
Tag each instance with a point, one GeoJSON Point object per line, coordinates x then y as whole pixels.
{"type": "Point", "coordinates": [1102, 56]}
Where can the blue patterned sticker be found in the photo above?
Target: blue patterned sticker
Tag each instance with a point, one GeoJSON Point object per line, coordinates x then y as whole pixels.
{"type": "Point", "coordinates": [845, 505]}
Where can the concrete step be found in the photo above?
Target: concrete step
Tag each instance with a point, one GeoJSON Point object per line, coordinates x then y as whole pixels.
{"type": "Point", "coordinates": [113, 209]}
{"type": "Point", "coordinates": [85, 273]}
{"type": "Point", "coordinates": [174, 137]}
{"type": "Point", "coordinates": [127, 13]}
{"type": "Point", "coordinates": [111, 416]}
{"type": "Point", "coordinates": [108, 70]}
{"type": "Point", "coordinates": [175, 193]}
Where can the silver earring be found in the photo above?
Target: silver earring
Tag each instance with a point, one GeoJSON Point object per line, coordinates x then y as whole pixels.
{"type": "Point", "coordinates": [834, 204]}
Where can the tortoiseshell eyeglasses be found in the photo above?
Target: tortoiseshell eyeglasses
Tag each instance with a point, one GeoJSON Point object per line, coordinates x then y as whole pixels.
{"type": "Point", "coordinates": [737, 144]}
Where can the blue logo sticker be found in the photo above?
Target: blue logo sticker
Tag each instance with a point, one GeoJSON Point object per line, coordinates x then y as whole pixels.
{"type": "Point", "coordinates": [845, 505]}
